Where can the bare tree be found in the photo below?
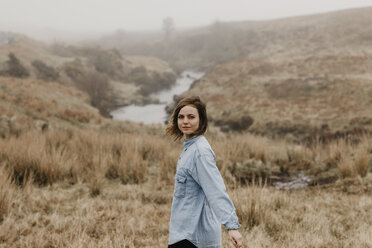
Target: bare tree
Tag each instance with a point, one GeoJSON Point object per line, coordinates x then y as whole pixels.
{"type": "Point", "coordinates": [168, 27]}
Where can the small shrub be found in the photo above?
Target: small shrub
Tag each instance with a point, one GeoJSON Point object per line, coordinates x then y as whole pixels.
{"type": "Point", "coordinates": [252, 209]}
{"type": "Point", "coordinates": [238, 124]}
{"type": "Point", "coordinates": [132, 168]}
{"type": "Point", "coordinates": [95, 185]}
{"type": "Point", "coordinates": [96, 84]}
{"type": "Point", "coordinates": [335, 150]}
{"type": "Point", "coordinates": [76, 115]}
{"type": "Point", "coordinates": [151, 82]}
{"type": "Point", "coordinates": [107, 62]}
{"type": "Point", "coordinates": [31, 154]}
{"type": "Point", "coordinates": [163, 81]}
{"type": "Point", "coordinates": [6, 191]}
{"type": "Point", "coordinates": [4, 127]}
{"type": "Point", "coordinates": [361, 162]}
{"type": "Point", "coordinates": [45, 72]}
{"type": "Point", "coordinates": [74, 69]}
{"type": "Point", "coordinates": [345, 167]}
{"type": "Point", "coordinates": [63, 50]}
{"type": "Point", "coordinates": [112, 172]}
{"type": "Point", "coordinates": [15, 68]}
{"type": "Point", "coordinates": [140, 77]}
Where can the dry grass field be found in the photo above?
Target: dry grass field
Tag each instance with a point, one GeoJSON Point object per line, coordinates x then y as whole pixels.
{"type": "Point", "coordinates": [107, 188]}
{"type": "Point", "coordinates": [64, 215]}
{"type": "Point", "coordinates": [72, 178]}
{"type": "Point", "coordinates": [120, 80]}
{"type": "Point", "coordinates": [293, 98]}
{"type": "Point", "coordinates": [86, 181]}
{"type": "Point", "coordinates": [27, 104]}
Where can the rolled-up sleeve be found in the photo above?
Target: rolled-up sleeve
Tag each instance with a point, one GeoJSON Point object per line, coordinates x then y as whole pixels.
{"type": "Point", "coordinates": [211, 182]}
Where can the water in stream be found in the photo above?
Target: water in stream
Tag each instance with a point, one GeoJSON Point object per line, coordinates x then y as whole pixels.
{"type": "Point", "coordinates": [155, 113]}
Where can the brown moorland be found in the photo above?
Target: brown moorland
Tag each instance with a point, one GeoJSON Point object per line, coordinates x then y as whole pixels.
{"type": "Point", "coordinates": [297, 99]}
{"type": "Point", "coordinates": [109, 183]}
{"type": "Point", "coordinates": [110, 79]}
{"type": "Point", "coordinates": [88, 181]}
{"type": "Point", "coordinates": [100, 187]}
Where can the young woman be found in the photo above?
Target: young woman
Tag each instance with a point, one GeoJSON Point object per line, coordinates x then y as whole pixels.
{"type": "Point", "coordinates": [200, 202]}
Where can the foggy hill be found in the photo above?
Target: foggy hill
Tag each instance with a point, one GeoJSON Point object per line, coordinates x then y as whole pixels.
{"type": "Point", "coordinates": [342, 32]}
{"type": "Point", "coordinates": [298, 99]}
{"type": "Point", "coordinates": [297, 78]}
{"type": "Point", "coordinates": [110, 79]}
{"type": "Point", "coordinates": [294, 77]}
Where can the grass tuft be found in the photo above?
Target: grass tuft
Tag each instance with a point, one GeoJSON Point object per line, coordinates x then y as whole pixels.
{"type": "Point", "coordinates": [6, 192]}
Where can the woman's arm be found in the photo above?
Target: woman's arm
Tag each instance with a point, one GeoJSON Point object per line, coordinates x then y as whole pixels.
{"type": "Point", "coordinates": [210, 180]}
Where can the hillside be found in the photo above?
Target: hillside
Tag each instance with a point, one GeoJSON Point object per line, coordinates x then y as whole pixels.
{"type": "Point", "coordinates": [28, 104]}
{"type": "Point", "coordinates": [70, 182]}
{"type": "Point", "coordinates": [296, 77]}
{"type": "Point", "coordinates": [288, 78]}
{"type": "Point", "coordinates": [344, 32]}
{"type": "Point", "coordinates": [110, 79]}
{"type": "Point", "coordinates": [297, 99]}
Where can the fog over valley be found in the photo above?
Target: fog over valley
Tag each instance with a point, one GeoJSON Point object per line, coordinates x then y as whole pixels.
{"type": "Point", "coordinates": [84, 19]}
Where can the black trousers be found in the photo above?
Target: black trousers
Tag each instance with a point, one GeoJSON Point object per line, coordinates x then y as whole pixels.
{"type": "Point", "coordinates": [182, 244]}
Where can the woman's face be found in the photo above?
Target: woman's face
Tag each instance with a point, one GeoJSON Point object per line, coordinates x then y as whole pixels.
{"type": "Point", "coordinates": [188, 120]}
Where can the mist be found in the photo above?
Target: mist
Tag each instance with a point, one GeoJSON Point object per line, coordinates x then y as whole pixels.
{"type": "Point", "coordinates": [84, 19]}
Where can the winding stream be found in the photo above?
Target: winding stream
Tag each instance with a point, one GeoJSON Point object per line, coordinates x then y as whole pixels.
{"type": "Point", "coordinates": [155, 113]}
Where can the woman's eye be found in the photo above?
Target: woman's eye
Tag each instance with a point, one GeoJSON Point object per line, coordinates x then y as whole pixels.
{"type": "Point", "coordinates": [180, 117]}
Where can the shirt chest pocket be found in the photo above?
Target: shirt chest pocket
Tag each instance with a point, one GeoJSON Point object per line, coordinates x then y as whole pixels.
{"type": "Point", "coordinates": [185, 185]}
{"type": "Point", "coordinates": [180, 185]}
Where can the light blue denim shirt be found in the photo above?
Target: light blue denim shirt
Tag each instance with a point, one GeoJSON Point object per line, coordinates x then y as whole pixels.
{"type": "Point", "coordinates": [200, 202]}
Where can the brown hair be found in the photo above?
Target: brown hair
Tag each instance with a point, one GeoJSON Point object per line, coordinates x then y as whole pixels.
{"type": "Point", "coordinates": [172, 128]}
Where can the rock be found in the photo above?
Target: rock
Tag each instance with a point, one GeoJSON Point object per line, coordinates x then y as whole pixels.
{"type": "Point", "coordinates": [15, 128]}
{"type": "Point", "coordinates": [250, 169]}
{"type": "Point", "coordinates": [297, 182]}
{"type": "Point", "coordinates": [41, 125]}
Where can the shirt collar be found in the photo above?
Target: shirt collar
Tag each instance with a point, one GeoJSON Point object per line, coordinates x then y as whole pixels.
{"type": "Point", "coordinates": [187, 143]}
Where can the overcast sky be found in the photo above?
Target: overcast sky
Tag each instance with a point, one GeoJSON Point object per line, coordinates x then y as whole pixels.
{"type": "Point", "coordinates": [109, 15]}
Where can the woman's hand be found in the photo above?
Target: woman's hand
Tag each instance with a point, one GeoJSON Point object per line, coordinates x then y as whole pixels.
{"type": "Point", "coordinates": [236, 238]}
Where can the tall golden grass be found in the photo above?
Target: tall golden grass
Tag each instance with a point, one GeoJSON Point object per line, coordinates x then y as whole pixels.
{"type": "Point", "coordinates": [84, 155]}
{"type": "Point", "coordinates": [304, 218]}
{"type": "Point", "coordinates": [137, 215]}
{"type": "Point", "coordinates": [92, 188]}
{"type": "Point", "coordinates": [6, 192]}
